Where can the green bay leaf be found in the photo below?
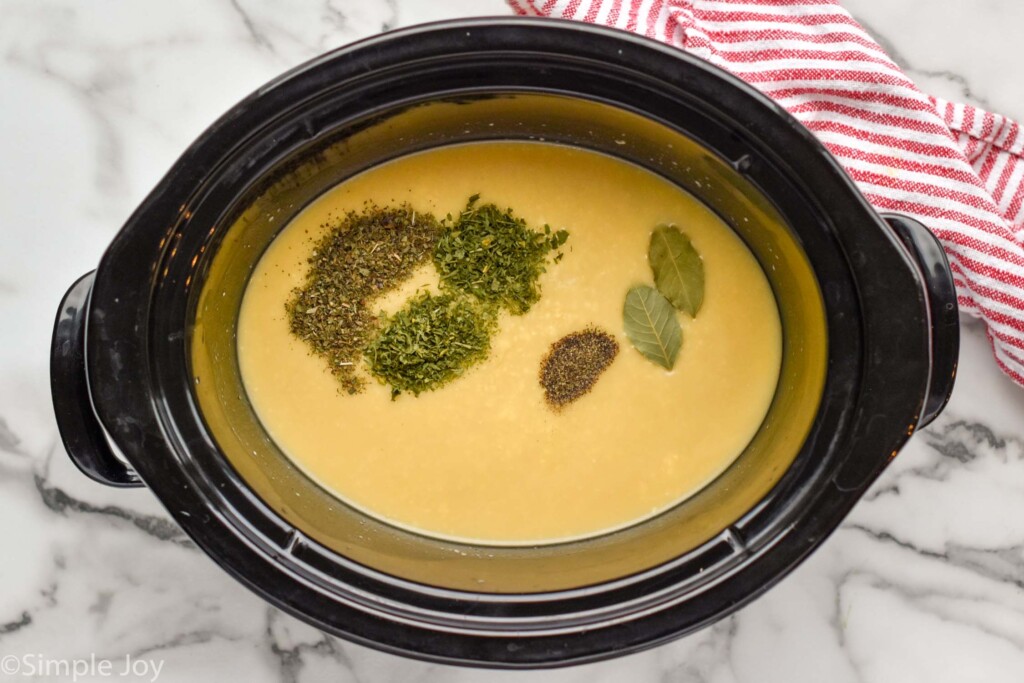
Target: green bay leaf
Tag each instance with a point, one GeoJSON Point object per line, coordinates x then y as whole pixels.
{"type": "Point", "coordinates": [678, 268]}
{"type": "Point", "coordinates": [652, 326]}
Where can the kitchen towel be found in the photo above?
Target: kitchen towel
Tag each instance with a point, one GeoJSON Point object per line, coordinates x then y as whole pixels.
{"type": "Point", "coordinates": [956, 168]}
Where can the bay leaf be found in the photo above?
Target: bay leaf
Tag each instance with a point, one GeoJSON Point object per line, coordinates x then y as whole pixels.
{"type": "Point", "coordinates": [678, 268]}
{"type": "Point", "coordinates": [652, 326]}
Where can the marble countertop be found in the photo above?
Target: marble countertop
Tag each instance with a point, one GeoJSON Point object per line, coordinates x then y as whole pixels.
{"type": "Point", "coordinates": [923, 582]}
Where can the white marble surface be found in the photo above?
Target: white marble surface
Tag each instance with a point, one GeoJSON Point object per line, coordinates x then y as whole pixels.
{"type": "Point", "coordinates": [922, 583]}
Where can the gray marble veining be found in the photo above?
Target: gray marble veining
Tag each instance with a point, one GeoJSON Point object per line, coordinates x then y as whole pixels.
{"type": "Point", "coordinates": [924, 582]}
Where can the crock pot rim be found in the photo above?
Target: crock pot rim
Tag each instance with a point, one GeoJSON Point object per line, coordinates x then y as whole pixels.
{"type": "Point", "coordinates": [117, 310]}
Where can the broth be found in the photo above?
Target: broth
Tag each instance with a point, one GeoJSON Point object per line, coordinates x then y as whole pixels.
{"type": "Point", "coordinates": [485, 459]}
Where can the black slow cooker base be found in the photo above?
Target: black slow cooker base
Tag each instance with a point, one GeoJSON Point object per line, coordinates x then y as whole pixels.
{"type": "Point", "coordinates": [147, 294]}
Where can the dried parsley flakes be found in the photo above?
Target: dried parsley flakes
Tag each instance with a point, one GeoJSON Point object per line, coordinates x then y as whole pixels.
{"type": "Point", "coordinates": [495, 256]}
{"type": "Point", "coordinates": [430, 341]}
{"type": "Point", "coordinates": [363, 256]}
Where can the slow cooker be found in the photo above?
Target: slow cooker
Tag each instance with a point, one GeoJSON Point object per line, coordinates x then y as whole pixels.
{"type": "Point", "coordinates": [147, 392]}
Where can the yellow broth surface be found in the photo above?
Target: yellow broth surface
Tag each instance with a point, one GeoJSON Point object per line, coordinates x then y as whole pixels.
{"type": "Point", "coordinates": [485, 459]}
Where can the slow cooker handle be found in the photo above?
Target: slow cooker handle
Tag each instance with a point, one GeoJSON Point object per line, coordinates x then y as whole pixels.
{"type": "Point", "coordinates": [80, 430]}
{"type": "Point", "coordinates": [927, 252]}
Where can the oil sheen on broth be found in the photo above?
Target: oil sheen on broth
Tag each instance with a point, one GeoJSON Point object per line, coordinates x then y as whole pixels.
{"type": "Point", "coordinates": [484, 458]}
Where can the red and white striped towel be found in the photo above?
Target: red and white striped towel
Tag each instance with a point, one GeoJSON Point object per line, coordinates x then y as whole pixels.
{"type": "Point", "coordinates": [957, 169]}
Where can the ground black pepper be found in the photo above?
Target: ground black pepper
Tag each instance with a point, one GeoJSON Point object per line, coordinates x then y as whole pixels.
{"type": "Point", "coordinates": [574, 363]}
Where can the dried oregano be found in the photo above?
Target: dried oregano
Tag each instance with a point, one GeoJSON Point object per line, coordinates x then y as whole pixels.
{"type": "Point", "coordinates": [361, 257]}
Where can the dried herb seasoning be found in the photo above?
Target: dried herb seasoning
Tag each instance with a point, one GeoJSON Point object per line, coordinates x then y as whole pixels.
{"type": "Point", "coordinates": [364, 255]}
{"type": "Point", "coordinates": [432, 340]}
{"type": "Point", "coordinates": [493, 255]}
{"type": "Point", "coordinates": [649, 313]}
{"type": "Point", "coordinates": [487, 260]}
{"type": "Point", "coordinates": [651, 324]}
{"type": "Point", "coordinates": [677, 267]}
{"type": "Point", "coordinates": [574, 363]}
